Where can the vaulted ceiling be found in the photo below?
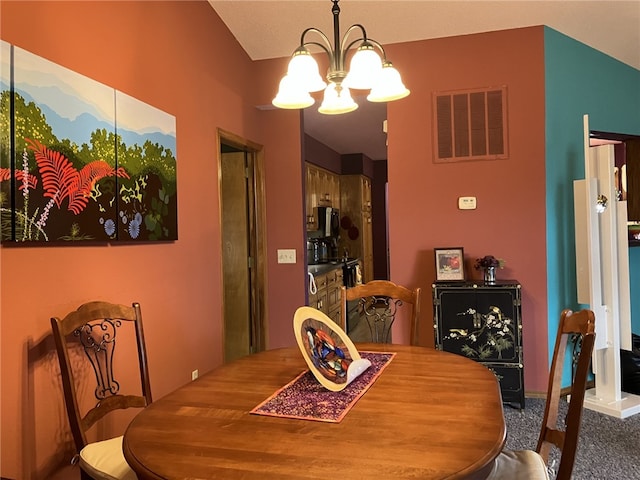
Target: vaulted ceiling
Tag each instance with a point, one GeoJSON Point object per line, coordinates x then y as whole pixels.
{"type": "Point", "coordinates": [271, 29]}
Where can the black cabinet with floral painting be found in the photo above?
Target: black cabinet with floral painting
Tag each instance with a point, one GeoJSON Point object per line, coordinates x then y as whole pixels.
{"type": "Point", "coordinates": [483, 322]}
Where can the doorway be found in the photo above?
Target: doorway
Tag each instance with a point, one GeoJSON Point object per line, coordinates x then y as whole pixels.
{"type": "Point", "coordinates": [243, 227]}
{"type": "Point", "coordinates": [361, 132]}
{"type": "Point", "coordinates": [627, 163]}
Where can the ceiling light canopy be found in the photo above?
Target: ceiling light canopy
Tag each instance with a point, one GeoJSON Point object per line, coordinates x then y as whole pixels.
{"type": "Point", "coordinates": [369, 70]}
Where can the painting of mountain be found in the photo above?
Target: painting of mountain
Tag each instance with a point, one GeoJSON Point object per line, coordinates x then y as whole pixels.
{"type": "Point", "coordinates": [88, 163]}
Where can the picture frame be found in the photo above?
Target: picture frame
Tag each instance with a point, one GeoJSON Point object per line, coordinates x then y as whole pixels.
{"type": "Point", "coordinates": [76, 183]}
{"type": "Point", "coordinates": [449, 264]}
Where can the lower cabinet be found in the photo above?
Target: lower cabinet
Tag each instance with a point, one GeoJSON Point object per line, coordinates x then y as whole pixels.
{"type": "Point", "coordinates": [327, 297]}
{"type": "Point", "coordinates": [483, 322]}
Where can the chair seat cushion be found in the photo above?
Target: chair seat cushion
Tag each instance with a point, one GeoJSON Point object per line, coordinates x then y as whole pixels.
{"type": "Point", "coordinates": [105, 461]}
{"type": "Point", "coordinates": [519, 465]}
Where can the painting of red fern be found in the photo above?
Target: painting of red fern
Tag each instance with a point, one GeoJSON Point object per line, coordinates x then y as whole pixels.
{"type": "Point", "coordinates": [32, 181]}
{"type": "Point", "coordinates": [86, 179]}
{"type": "Point", "coordinates": [61, 180]}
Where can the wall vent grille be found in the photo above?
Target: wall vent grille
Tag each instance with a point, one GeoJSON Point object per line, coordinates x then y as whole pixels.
{"type": "Point", "coordinates": [470, 124]}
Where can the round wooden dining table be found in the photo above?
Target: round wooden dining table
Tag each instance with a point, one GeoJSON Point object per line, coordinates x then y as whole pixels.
{"type": "Point", "coordinates": [429, 415]}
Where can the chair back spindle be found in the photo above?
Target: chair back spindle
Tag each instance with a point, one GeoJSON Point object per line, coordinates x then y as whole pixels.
{"type": "Point", "coordinates": [379, 303]}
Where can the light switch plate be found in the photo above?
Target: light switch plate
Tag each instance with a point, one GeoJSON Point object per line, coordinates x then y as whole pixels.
{"type": "Point", "coordinates": [286, 255]}
{"type": "Point", "coordinates": [467, 203]}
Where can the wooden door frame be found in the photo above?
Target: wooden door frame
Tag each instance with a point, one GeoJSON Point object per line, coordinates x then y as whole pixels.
{"type": "Point", "coordinates": [259, 267]}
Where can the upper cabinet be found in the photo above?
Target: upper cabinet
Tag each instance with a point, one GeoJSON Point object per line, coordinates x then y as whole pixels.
{"type": "Point", "coordinates": [356, 233]}
{"type": "Point", "coordinates": [322, 190]}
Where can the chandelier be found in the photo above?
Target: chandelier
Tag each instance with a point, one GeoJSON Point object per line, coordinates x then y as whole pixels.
{"type": "Point", "coordinates": [369, 70]}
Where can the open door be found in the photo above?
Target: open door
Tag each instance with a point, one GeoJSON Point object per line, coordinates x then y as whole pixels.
{"type": "Point", "coordinates": [241, 182]}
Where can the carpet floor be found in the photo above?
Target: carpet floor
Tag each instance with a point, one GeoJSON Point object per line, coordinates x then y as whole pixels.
{"type": "Point", "coordinates": [608, 447]}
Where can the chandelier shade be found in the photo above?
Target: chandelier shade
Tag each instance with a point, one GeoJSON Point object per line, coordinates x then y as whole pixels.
{"type": "Point", "coordinates": [388, 86]}
{"type": "Point", "coordinates": [365, 67]}
{"type": "Point", "coordinates": [292, 95]}
{"type": "Point", "coordinates": [369, 69]}
{"type": "Point", "coordinates": [303, 69]}
{"type": "Point", "coordinates": [337, 100]}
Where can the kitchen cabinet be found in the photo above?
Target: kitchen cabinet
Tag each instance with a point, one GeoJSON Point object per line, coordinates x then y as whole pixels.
{"type": "Point", "coordinates": [483, 322]}
{"type": "Point", "coordinates": [327, 296]}
{"type": "Point", "coordinates": [356, 233]}
{"type": "Point", "coordinates": [322, 189]}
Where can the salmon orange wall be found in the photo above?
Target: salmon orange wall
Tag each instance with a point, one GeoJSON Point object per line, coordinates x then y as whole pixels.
{"type": "Point", "coordinates": [179, 57]}
{"type": "Point", "coordinates": [509, 221]}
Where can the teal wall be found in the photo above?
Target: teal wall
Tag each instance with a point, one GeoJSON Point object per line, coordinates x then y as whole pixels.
{"type": "Point", "coordinates": [580, 80]}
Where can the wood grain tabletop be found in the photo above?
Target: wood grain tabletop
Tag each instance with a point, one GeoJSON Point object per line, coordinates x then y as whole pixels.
{"type": "Point", "coordinates": [429, 415]}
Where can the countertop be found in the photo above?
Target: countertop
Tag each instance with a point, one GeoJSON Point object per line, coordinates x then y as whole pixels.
{"type": "Point", "coordinates": [322, 268]}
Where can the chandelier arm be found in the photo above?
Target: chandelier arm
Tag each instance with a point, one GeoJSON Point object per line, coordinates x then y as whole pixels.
{"type": "Point", "coordinates": [380, 47]}
{"type": "Point", "coordinates": [348, 32]}
{"type": "Point", "coordinates": [320, 33]}
{"type": "Point", "coordinates": [323, 47]}
{"type": "Point", "coordinates": [344, 48]}
{"type": "Point", "coordinates": [327, 47]}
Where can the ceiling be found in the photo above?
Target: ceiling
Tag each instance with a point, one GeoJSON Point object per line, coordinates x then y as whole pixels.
{"type": "Point", "coordinates": [272, 29]}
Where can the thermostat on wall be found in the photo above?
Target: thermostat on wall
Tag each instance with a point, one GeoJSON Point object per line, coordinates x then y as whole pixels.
{"type": "Point", "coordinates": [467, 203]}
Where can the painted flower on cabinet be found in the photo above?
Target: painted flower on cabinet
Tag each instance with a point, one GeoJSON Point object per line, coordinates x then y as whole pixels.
{"type": "Point", "coordinates": [73, 172]}
{"type": "Point", "coordinates": [495, 334]}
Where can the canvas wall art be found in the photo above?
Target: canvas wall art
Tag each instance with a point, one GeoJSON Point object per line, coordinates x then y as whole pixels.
{"type": "Point", "coordinates": [5, 141]}
{"type": "Point", "coordinates": [82, 162]}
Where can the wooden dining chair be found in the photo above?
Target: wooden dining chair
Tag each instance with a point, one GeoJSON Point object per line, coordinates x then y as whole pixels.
{"type": "Point", "coordinates": [88, 336]}
{"type": "Point", "coordinates": [379, 302]}
{"type": "Point", "coordinates": [530, 465]}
